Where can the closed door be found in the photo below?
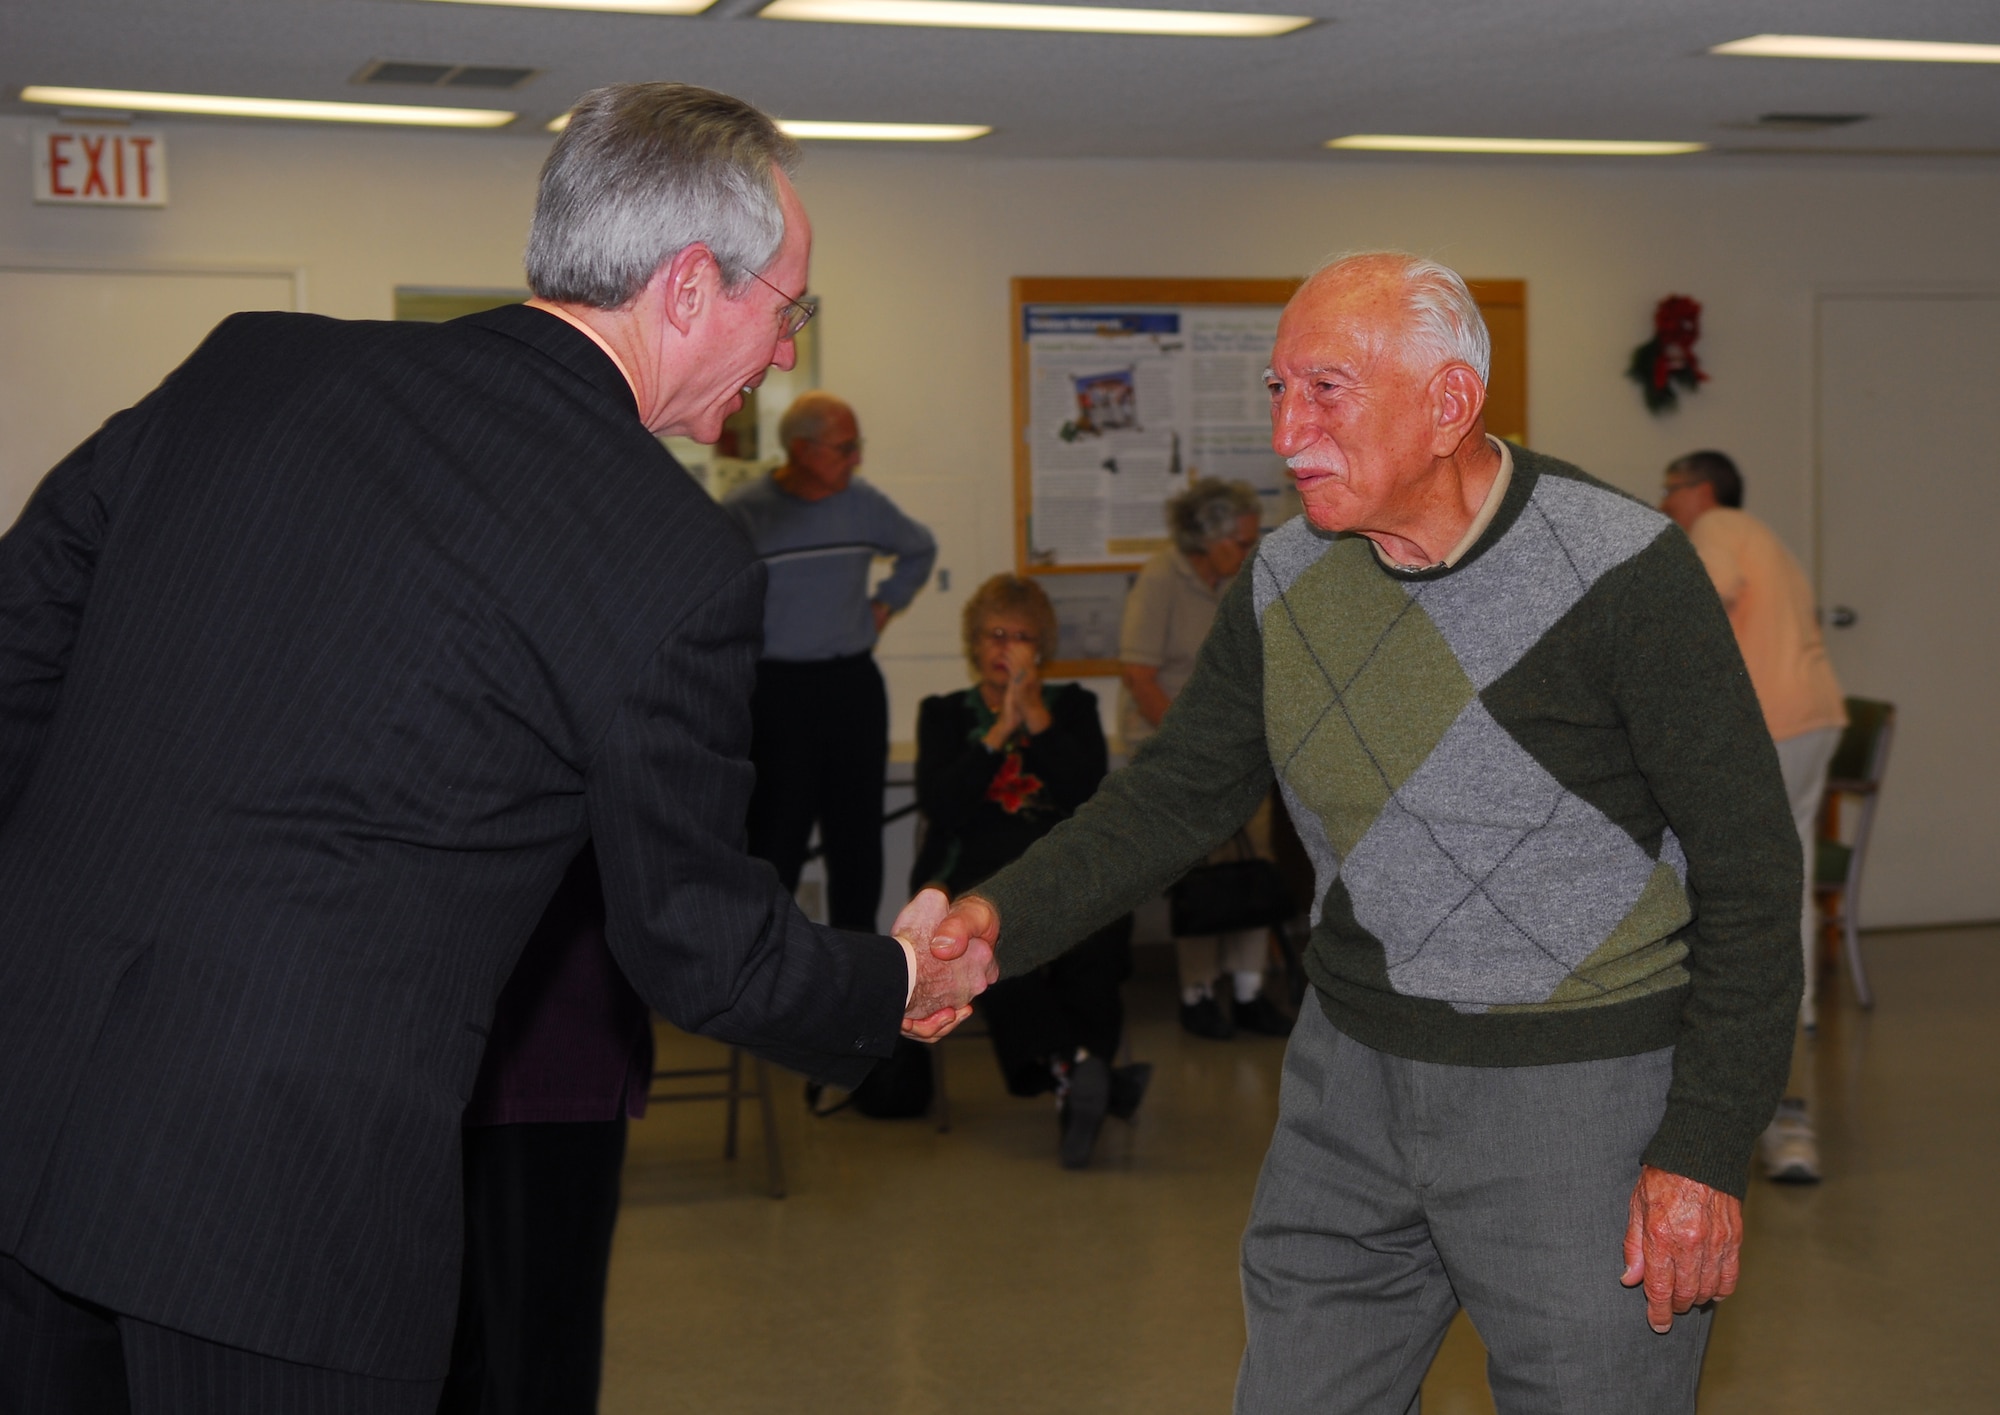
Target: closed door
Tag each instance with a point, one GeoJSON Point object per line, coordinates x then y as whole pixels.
{"type": "Point", "coordinates": [1909, 579]}
{"type": "Point", "coordinates": [78, 345]}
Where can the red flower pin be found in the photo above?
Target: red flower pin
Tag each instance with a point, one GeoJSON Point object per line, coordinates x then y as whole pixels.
{"type": "Point", "coordinates": [1011, 787]}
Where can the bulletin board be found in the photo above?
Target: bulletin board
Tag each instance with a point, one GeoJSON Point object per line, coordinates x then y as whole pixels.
{"type": "Point", "coordinates": [1124, 391]}
{"type": "Point", "coordinates": [1127, 389]}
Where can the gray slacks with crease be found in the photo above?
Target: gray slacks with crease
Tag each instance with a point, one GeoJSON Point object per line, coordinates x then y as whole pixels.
{"type": "Point", "coordinates": [1397, 1191]}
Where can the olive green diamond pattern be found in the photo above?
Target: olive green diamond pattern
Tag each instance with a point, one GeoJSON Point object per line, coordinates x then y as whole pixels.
{"type": "Point", "coordinates": [1642, 955]}
{"type": "Point", "coordinates": [1359, 687]}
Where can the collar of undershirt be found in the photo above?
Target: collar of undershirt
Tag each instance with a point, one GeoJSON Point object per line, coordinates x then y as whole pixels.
{"type": "Point", "coordinates": [598, 339]}
{"type": "Point", "coordinates": [1488, 509]}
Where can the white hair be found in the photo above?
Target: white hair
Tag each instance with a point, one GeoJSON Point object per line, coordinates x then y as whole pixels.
{"type": "Point", "coordinates": [1445, 323]}
{"type": "Point", "coordinates": [644, 171]}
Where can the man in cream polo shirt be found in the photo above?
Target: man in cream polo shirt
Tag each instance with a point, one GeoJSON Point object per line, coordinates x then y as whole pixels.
{"type": "Point", "coordinates": [1771, 608]}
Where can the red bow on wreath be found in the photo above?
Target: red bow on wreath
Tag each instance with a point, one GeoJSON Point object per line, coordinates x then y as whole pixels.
{"type": "Point", "coordinates": [1667, 359]}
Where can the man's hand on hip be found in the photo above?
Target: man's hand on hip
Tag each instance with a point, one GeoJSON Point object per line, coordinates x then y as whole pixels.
{"type": "Point", "coordinates": [1683, 1242]}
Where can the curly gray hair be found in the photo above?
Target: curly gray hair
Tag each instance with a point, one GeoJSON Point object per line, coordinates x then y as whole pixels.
{"type": "Point", "coordinates": [1208, 512]}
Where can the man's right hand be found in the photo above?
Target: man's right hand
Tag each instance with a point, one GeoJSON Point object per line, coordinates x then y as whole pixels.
{"type": "Point", "coordinates": [947, 982]}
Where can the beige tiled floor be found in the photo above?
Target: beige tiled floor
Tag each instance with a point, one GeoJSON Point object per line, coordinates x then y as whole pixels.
{"type": "Point", "coordinates": [911, 1272]}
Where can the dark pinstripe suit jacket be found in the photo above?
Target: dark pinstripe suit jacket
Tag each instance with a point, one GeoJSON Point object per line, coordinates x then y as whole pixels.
{"type": "Point", "coordinates": [317, 667]}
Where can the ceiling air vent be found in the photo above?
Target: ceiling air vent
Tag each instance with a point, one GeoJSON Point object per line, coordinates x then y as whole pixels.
{"type": "Point", "coordinates": [1804, 122]}
{"type": "Point", "coordinates": [421, 75]}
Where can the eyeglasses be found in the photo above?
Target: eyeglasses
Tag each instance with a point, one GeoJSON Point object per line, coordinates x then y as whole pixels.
{"type": "Point", "coordinates": [796, 314]}
{"type": "Point", "coordinates": [1009, 636]}
{"type": "Point", "coordinates": [850, 448]}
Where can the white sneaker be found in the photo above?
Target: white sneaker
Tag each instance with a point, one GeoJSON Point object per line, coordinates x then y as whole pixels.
{"type": "Point", "coordinates": [1791, 1153]}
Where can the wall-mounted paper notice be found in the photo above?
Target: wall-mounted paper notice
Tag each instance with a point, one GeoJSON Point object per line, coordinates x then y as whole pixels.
{"type": "Point", "coordinates": [1127, 404]}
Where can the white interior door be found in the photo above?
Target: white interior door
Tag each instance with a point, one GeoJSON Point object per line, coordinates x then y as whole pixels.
{"type": "Point", "coordinates": [78, 345]}
{"type": "Point", "coordinates": [1909, 468]}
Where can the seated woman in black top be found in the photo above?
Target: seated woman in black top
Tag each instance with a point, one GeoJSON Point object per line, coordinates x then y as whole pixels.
{"type": "Point", "coordinates": [998, 766]}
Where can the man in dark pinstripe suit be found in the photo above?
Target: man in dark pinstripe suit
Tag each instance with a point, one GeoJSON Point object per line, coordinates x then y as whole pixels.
{"type": "Point", "coordinates": [317, 668]}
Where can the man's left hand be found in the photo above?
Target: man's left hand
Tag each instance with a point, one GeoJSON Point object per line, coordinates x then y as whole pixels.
{"type": "Point", "coordinates": [934, 1005]}
{"type": "Point", "coordinates": [1683, 1242]}
{"type": "Point", "coordinates": [882, 614]}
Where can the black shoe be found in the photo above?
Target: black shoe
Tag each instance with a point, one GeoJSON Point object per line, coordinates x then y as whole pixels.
{"type": "Point", "coordinates": [1205, 1019]}
{"type": "Point", "coordinates": [1083, 1108]}
{"type": "Point", "coordinates": [1263, 1016]}
{"type": "Point", "coordinates": [1128, 1087]}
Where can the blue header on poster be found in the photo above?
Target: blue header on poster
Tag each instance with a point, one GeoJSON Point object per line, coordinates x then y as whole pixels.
{"type": "Point", "coordinates": [1048, 321]}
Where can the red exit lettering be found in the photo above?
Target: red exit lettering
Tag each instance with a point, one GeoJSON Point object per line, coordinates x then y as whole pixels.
{"type": "Point", "coordinates": [121, 168]}
{"type": "Point", "coordinates": [59, 158]}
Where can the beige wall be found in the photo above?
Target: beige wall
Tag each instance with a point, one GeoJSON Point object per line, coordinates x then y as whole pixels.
{"type": "Point", "coordinates": [914, 251]}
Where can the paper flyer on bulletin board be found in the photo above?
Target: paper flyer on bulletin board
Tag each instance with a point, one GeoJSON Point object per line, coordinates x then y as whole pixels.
{"type": "Point", "coordinates": [1126, 403]}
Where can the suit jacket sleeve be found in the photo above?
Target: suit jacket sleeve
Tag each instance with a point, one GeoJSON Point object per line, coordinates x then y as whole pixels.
{"type": "Point", "coordinates": [708, 935]}
{"type": "Point", "coordinates": [46, 564]}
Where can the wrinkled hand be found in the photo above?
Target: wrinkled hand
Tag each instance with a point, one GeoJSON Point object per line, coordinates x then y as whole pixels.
{"type": "Point", "coordinates": [946, 984]}
{"type": "Point", "coordinates": [970, 921]}
{"type": "Point", "coordinates": [1683, 1242]}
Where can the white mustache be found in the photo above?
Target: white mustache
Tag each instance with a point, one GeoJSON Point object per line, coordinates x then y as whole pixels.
{"type": "Point", "coordinates": [1306, 462]}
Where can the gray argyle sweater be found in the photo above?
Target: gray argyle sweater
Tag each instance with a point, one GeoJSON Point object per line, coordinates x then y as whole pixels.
{"type": "Point", "coordinates": [1546, 818]}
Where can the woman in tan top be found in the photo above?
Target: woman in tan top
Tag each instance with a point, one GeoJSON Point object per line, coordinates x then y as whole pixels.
{"type": "Point", "coordinates": [1167, 615]}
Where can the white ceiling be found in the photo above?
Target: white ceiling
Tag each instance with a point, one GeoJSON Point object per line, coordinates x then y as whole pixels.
{"type": "Point", "coordinates": [1507, 68]}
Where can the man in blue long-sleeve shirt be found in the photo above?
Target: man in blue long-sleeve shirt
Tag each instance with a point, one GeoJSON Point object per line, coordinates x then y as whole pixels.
{"type": "Point", "coordinates": [820, 715]}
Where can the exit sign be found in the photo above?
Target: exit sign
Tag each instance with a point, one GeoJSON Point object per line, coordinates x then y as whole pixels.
{"type": "Point", "coordinates": [93, 166]}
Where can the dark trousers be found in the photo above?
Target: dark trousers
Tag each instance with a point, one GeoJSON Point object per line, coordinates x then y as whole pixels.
{"type": "Point", "coordinates": [61, 1355]}
{"type": "Point", "coordinates": [1047, 1014]}
{"type": "Point", "coordinates": [540, 1204]}
{"type": "Point", "coordinates": [820, 741]}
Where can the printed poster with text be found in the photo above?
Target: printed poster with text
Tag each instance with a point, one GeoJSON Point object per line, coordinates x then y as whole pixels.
{"type": "Point", "coordinates": [1126, 406]}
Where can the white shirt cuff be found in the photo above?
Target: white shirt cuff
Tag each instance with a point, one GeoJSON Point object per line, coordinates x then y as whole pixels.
{"type": "Point", "coordinates": [910, 957]}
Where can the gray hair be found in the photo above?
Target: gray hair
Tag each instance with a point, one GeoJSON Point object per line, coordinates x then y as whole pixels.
{"type": "Point", "coordinates": [1208, 511]}
{"type": "Point", "coordinates": [644, 171]}
{"type": "Point", "coordinates": [1445, 322]}
{"type": "Point", "coordinates": [807, 417]}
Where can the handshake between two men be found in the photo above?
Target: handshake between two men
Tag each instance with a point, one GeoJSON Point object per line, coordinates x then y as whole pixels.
{"type": "Point", "coordinates": [954, 946]}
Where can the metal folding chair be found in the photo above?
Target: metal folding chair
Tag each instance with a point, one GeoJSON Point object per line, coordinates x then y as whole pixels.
{"type": "Point", "coordinates": [1856, 773]}
{"type": "Point", "coordinates": [734, 1092]}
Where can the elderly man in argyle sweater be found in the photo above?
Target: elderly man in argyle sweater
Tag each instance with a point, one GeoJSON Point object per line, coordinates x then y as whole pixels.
{"type": "Point", "coordinates": [1555, 949]}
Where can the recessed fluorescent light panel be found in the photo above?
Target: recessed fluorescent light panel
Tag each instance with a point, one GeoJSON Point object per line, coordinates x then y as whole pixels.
{"type": "Point", "coordinates": [977, 14]}
{"type": "Point", "coordinates": [621, 7]}
{"type": "Point", "coordinates": [1826, 46]}
{"type": "Point", "coordinates": [1560, 147]}
{"type": "Point", "coordinates": [807, 130]}
{"type": "Point", "coordinates": [222, 106]}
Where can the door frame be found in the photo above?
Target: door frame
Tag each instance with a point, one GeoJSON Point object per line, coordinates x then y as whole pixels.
{"type": "Point", "coordinates": [84, 265]}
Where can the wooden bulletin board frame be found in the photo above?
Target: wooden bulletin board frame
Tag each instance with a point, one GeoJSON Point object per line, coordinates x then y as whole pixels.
{"type": "Point", "coordinates": [1502, 302]}
{"type": "Point", "coordinates": [1117, 292]}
